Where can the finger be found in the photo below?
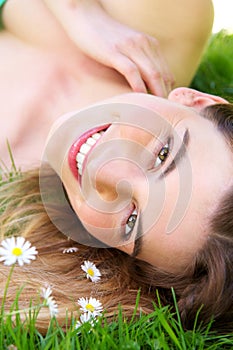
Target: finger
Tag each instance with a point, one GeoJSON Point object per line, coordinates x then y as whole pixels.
{"type": "Point", "coordinates": [142, 63]}
{"type": "Point", "coordinates": [169, 81]}
{"type": "Point", "coordinates": [153, 52]}
{"type": "Point", "coordinates": [155, 82]}
{"type": "Point", "coordinates": [130, 71]}
{"type": "Point", "coordinates": [150, 73]}
{"type": "Point", "coordinates": [167, 84]}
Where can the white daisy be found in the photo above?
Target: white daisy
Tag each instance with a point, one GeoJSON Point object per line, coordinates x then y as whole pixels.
{"type": "Point", "coordinates": [84, 318]}
{"type": "Point", "coordinates": [91, 271]}
{"type": "Point", "coordinates": [70, 250]}
{"type": "Point", "coordinates": [92, 306]}
{"type": "Point", "coordinates": [49, 301]}
{"type": "Point", "coordinates": [16, 249]}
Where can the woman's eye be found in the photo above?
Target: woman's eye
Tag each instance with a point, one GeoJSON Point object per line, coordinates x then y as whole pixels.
{"type": "Point", "coordinates": [130, 224]}
{"type": "Point", "coordinates": [163, 153]}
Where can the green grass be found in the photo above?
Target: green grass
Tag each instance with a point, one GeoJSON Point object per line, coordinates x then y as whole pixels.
{"type": "Point", "coordinates": [8, 174]}
{"type": "Point", "coordinates": [161, 329]}
{"type": "Point", "coordinates": [158, 330]}
{"type": "Point", "coordinates": [215, 73]}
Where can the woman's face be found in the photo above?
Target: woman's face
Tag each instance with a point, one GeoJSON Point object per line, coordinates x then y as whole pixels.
{"type": "Point", "coordinates": [148, 178]}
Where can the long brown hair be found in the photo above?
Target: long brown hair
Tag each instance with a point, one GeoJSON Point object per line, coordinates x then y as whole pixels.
{"type": "Point", "coordinates": [206, 285]}
{"type": "Point", "coordinates": [23, 214]}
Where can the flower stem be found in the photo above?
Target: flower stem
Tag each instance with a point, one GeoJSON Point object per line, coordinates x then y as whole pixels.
{"type": "Point", "coordinates": [3, 302]}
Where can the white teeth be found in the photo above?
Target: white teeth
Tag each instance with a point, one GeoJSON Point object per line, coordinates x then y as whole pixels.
{"type": "Point", "coordinates": [79, 165]}
{"type": "Point", "coordinates": [90, 141]}
{"type": "Point", "coordinates": [96, 136]}
{"type": "Point", "coordinates": [85, 148]}
{"type": "Point", "coordinates": [80, 157]}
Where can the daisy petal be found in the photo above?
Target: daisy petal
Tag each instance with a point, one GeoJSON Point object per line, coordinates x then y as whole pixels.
{"type": "Point", "coordinates": [92, 306]}
{"type": "Point", "coordinates": [16, 249]}
{"type": "Point", "coordinates": [49, 301]}
{"type": "Point", "coordinates": [91, 271]}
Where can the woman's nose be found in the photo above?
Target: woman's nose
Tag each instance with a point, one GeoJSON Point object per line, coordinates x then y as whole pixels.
{"type": "Point", "coordinates": [115, 173]}
{"type": "Point", "coordinates": [117, 180]}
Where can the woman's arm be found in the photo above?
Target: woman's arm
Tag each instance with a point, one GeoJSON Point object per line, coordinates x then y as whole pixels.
{"type": "Point", "coordinates": [135, 55]}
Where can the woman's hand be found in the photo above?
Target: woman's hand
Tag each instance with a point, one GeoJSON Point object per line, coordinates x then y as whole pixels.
{"type": "Point", "coordinates": [135, 55]}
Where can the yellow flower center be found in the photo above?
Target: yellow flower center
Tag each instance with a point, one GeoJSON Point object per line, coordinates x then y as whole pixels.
{"type": "Point", "coordinates": [17, 251]}
{"type": "Point", "coordinates": [90, 307]}
{"type": "Point", "coordinates": [90, 272]}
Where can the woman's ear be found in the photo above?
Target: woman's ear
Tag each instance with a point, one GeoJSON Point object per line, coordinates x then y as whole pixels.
{"type": "Point", "coordinates": [193, 98]}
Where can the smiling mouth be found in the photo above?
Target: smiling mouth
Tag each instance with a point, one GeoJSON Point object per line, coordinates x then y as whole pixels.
{"type": "Point", "coordinates": [82, 147]}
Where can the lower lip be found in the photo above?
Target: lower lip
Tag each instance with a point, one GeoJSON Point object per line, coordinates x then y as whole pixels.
{"type": "Point", "coordinates": [76, 147]}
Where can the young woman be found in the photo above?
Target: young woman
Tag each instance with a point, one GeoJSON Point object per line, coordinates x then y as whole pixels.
{"type": "Point", "coordinates": [54, 74]}
{"type": "Point", "coordinates": [195, 258]}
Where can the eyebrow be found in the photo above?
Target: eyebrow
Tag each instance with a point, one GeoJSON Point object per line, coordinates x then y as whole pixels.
{"type": "Point", "coordinates": [176, 160]}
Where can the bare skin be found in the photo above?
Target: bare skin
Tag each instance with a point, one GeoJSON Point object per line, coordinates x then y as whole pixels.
{"type": "Point", "coordinates": [52, 75]}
